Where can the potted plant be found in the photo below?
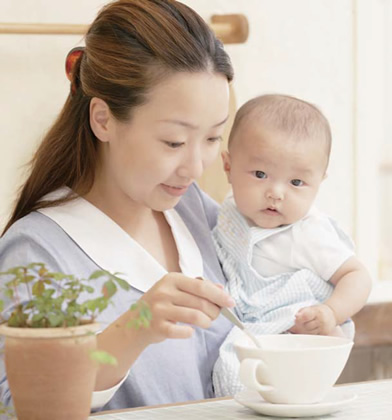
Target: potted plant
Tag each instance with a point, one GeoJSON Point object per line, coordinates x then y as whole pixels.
{"type": "Point", "coordinates": [50, 347]}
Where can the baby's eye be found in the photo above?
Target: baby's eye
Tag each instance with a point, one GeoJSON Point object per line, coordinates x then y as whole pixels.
{"type": "Point", "coordinates": [260, 174]}
{"type": "Point", "coordinates": [297, 182]}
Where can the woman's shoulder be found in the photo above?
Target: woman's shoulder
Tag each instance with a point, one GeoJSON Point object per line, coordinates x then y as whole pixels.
{"type": "Point", "coordinates": [36, 238]}
{"type": "Point", "coordinates": [198, 204]}
{"type": "Point", "coordinates": [34, 226]}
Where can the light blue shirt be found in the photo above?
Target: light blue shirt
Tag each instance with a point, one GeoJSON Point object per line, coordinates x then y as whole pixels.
{"type": "Point", "coordinates": [171, 371]}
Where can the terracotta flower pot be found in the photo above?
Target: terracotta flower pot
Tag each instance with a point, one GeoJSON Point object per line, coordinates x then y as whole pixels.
{"type": "Point", "coordinates": [49, 371]}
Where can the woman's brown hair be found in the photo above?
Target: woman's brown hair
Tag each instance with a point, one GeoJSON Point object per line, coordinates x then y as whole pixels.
{"type": "Point", "coordinates": [130, 47]}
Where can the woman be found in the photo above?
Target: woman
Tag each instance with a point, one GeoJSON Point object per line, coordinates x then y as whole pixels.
{"type": "Point", "coordinates": [112, 186]}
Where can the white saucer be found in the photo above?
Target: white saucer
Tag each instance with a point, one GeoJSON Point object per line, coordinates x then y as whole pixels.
{"type": "Point", "coordinates": [336, 400]}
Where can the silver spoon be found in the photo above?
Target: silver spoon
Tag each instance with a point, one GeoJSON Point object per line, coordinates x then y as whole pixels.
{"type": "Point", "coordinates": [232, 317]}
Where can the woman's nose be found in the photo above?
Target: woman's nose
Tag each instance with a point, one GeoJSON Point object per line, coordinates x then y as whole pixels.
{"type": "Point", "coordinates": [192, 167]}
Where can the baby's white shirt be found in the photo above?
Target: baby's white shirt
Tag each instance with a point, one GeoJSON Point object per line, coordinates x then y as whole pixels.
{"type": "Point", "coordinates": [315, 242]}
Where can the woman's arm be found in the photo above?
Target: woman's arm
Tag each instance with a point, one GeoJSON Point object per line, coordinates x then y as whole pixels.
{"type": "Point", "coordinates": [174, 299]}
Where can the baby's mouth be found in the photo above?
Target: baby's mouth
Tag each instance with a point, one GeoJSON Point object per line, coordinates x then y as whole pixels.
{"type": "Point", "coordinates": [271, 210]}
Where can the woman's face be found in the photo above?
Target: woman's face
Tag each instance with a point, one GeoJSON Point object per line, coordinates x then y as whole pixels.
{"type": "Point", "coordinates": [152, 159]}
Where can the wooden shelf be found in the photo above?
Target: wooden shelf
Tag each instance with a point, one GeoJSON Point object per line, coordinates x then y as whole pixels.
{"type": "Point", "coordinates": [230, 29]}
{"type": "Point", "coordinates": [373, 325]}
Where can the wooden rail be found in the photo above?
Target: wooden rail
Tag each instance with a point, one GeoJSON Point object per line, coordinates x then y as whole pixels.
{"type": "Point", "coordinates": [231, 29]}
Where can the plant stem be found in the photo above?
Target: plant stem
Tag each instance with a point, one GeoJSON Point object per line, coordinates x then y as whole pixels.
{"type": "Point", "coordinates": [27, 286]}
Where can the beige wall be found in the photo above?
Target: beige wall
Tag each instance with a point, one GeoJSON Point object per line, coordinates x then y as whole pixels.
{"type": "Point", "coordinates": [305, 48]}
{"type": "Point", "coordinates": [290, 49]}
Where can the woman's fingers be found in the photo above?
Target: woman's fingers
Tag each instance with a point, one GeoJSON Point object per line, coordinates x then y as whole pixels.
{"type": "Point", "coordinates": [183, 299]}
{"type": "Point", "coordinates": [205, 289]}
{"type": "Point", "coordinates": [166, 316]}
{"type": "Point", "coordinates": [188, 316]}
{"type": "Point", "coordinates": [179, 299]}
{"type": "Point", "coordinates": [172, 330]}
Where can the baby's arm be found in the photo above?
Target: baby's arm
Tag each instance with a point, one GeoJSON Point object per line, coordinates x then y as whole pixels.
{"type": "Point", "coordinates": [352, 287]}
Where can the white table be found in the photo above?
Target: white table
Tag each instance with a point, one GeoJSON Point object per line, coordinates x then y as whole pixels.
{"type": "Point", "coordinates": [374, 402]}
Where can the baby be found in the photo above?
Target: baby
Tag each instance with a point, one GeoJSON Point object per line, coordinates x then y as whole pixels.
{"type": "Point", "coordinates": [289, 267]}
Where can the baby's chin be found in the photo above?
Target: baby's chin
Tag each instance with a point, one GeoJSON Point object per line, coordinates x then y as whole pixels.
{"type": "Point", "coordinates": [270, 223]}
{"type": "Point", "coordinates": [267, 224]}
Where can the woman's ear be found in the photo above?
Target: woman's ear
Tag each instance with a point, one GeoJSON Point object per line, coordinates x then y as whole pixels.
{"type": "Point", "coordinates": [100, 116]}
{"type": "Point", "coordinates": [226, 164]}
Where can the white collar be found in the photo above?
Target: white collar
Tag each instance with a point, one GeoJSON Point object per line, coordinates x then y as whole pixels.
{"type": "Point", "coordinates": [112, 249]}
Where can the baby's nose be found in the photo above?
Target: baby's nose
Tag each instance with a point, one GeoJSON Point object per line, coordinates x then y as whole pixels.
{"type": "Point", "coordinates": [275, 193]}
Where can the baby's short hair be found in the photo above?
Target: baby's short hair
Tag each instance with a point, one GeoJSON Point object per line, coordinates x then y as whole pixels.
{"type": "Point", "coordinates": [298, 118]}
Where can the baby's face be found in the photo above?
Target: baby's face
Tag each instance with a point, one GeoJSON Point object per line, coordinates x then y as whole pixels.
{"type": "Point", "coordinates": [275, 179]}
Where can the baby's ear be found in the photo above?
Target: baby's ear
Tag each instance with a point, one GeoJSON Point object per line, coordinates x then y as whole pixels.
{"type": "Point", "coordinates": [226, 164]}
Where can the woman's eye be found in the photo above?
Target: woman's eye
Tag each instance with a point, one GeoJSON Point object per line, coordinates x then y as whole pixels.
{"type": "Point", "coordinates": [215, 139]}
{"type": "Point", "coordinates": [297, 182]}
{"type": "Point", "coordinates": [260, 174]}
{"type": "Point", "coordinates": [174, 144]}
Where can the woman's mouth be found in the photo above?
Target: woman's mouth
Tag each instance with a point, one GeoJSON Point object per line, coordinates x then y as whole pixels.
{"type": "Point", "coordinates": [175, 190]}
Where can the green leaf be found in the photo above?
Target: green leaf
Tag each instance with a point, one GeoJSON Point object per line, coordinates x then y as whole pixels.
{"type": "Point", "coordinates": [71, 322]}
{"type": "Point", "coordinates": [122, 283]}
{"type": "Point", "coordinates": [30, 305]}
{"type": "Point", "coordinates": [55, 320]}
{"type": "Point", "coordinates": [48, 293]}
{"type": "Point", "coordinates": [98, 304]}
{"type": "Point", "coordinates": [13, 283]}
{"type": "Point", "coordinates": [27, 279]}
{"type": "Point", "coordinates": [42, 271]}
{"type": "Point", "coordinates": [38, 288]}
{"type": "Point", "coordinates": [35, 265]}
{"type": "Point", "coordinates": [145, 322]}
{"type": "Point", "coordinates": [37, 317]}
{"type": "Point", "coordinates": [145, 311]}
{"type": "Point", "coordinates": [97, 274]}
{"type": "Point", "coordinates": [57, 276]}
{"type": "Point", "coordinates": [103, 357]}
{"type": "Point", "coordinates": [109, 289]}
{"type": "Point", "coordinates": [143, 308]}
{"type": "Point", "coordinates": [17, 319]}
{"type": "Point", "coordinates": [133, 323]}
{"type": "Point", "coordinates": [54, 297]}
{"type": "Point", "coordinates": [9, 293]}
{"type": "Point", "coordinates": [15, 270]}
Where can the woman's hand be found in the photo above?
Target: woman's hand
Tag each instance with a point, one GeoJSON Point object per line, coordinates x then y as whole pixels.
{"type": "Point", "coordinates": [179, 299]}
{"type": "Point", "coordinates": [318, 319]}
{"type": "Point", "coordinates": [173, 301]}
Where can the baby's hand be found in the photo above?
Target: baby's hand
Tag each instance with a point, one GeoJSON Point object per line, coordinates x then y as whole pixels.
{"type": "Point", "coordinates": [318, 319]}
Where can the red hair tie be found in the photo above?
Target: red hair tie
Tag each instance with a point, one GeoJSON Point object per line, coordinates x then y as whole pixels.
{"type": "Point", "coordinates": [72, 57]}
